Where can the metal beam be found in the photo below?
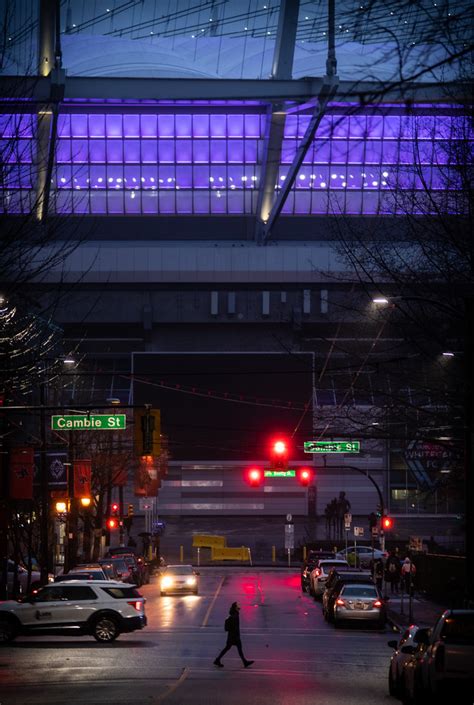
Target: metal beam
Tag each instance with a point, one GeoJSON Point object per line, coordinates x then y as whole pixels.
{"type": "Point", "coordinates": [282, 68]}
{"type": "Point", "coordinates": [327, 93]}
{"type": "Point", "coordinates": [284, 52]}
{"type": "Point", "coordinates": [38, 90]}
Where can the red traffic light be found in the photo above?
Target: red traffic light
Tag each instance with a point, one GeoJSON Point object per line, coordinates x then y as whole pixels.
{"type": "Point", "coordinates": [112, 523]}
{"type": "Point", "coordinates": [279, 454]}
{"type": "Point", "coordinates": [279, 447]}
{"type": "Point", "coordinates": [254, 476]}
{"type": "Point", "coordinates": [114, 507]}
{"type": "Point", "coordinates": [305, 476]}
{"type": "Point", "coordinates": [387, 523]}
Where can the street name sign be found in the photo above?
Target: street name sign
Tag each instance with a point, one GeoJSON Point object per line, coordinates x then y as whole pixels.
{"type": "Point", "coordinates": [279, 473]}
{"type": "Point", "coordinates": [332, 446]}
{"type": "Point", "coordinates": [89, 422]}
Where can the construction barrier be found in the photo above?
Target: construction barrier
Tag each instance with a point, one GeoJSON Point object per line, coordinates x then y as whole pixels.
{"type": "Point", "coordinates": [208, 541]}
{"type": "Point", "coordinates": [230, 554]}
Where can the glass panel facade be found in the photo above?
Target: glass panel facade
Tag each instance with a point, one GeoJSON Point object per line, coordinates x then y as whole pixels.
{"type": "Point", "coordinates": [187, 162]}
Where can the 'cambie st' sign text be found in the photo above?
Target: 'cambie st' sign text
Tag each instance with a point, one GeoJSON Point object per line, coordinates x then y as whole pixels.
{"type": "Point", "coordinates": [89, 422]}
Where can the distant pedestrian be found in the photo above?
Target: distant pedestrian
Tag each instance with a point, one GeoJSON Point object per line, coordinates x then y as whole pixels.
{"type": "Point", "coordinates": [393, 571]}
{"type": "Point", "coordinates": [232, 627]}
{"type": "Point", "coordinates": [408, 572]}
{"type": "Point", "coordinates": [378, 573]}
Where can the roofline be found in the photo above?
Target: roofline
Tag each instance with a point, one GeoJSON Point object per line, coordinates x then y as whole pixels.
{"type": "Point", "coordinates": [36, 89]}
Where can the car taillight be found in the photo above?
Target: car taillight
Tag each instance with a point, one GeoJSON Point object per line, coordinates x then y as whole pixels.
{"type": "Point", "coordinates": [377, 603]}
{"type": "Point", "coordinates": [136, 605]}
{"type": "Point", "coordinates": [340, 602]}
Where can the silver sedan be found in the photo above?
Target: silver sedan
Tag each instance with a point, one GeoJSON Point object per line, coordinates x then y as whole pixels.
{"type": "Point", "coordinates": [359, 602]}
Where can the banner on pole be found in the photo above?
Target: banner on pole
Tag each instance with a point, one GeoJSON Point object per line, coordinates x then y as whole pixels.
{"type": "Point", "coordinates": [21, 473]}
{"type": "Point", "coordinates": [82, 478]}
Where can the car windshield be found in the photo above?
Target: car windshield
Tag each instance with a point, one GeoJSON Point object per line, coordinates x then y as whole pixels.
{"type": "Point", "coordinates": [331, 564]}
{"type": "Point", "coordinates": [179, 569]}
{"type": "Point", "coordinates": [359, 591]}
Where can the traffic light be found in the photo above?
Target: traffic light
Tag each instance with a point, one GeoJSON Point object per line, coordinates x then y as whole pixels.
{"type": "Point", "coordinates": [372, 520]}
{"type": "Point", "coordinates": [254, 476]}
{"type": "Point", "coordinates": [130, 510]}
{"type": "Point", "coordinates": [115, 509]}
{"type": "Point", "coordinates": [148, 428]}
{"type": "Point", "coordinates": [387, 523]}
{"type": "Point", "coordinates": [279, 454]}
{"type": "Point", "coordinates": [147, 433]}
{"type": "Point", "coordinates": [112, 523]}
{"type": "Point", "coordinates": [305, 475]}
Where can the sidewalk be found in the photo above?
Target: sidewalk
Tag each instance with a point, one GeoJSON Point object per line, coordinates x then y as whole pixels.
{"type": "Point", "coordinates": [424, 612]}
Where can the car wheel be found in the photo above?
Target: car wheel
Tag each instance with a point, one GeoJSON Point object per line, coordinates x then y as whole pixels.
{"type": "Point", "coordinates": [392, 685]}
{"type": "Point", "coordinates": [105, 629]}
{"type": "Point", "coordinates": [8, 631]}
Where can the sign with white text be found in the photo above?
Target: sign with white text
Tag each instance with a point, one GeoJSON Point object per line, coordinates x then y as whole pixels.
{"type": "Point", "coordinates": [89, 422]}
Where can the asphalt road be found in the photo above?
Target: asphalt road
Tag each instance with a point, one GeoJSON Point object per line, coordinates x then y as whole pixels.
{"type": "Point", "coordinates": [299, 659]}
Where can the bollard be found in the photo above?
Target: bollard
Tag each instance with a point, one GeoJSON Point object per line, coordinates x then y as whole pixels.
{"type": "Point", "coordinates": [304, 553]}
{"type": "Point", "coordinates": [181, 554]}
{"type": "Point", "coordinates": [198, 559]}
{"type": "Point", "coordinates": [273, 554]}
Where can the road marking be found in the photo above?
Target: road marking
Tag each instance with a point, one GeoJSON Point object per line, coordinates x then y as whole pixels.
{"type": "Point", "coordinates": [204, 622]}
{"type": "Point", "coordinates": [173, 687]}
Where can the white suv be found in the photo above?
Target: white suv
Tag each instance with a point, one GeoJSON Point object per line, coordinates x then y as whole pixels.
{"type": "Point", "coordinates": [102, 608]}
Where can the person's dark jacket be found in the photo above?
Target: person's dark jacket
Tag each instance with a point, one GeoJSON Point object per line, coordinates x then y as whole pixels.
{"type": "Point", "coordinates": [233, 624]}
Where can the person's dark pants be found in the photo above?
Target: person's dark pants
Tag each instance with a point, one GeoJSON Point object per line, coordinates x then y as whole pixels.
{"type": "Point", "coordinates": [229, 645]}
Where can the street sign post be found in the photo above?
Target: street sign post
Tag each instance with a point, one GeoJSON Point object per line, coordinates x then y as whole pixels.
{"type": "Point", "coordinates": [331, 446]}
{"type": "Point", "coordinates": [289, 540]}
{"type": "Point", "coordinates": [358, 530]}
{"type": "Point", "coordinates": [89, 422]}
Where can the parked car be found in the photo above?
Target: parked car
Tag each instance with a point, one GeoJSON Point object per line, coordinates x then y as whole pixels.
{"type": "Point", "coordinates": [336, 579]}
{"type": "Point", "coordinates": [309, 564]}
{"type": "Point", "coordinates": [179, 578]}
{"type": "Point", "coordinates": [359, 602]}
{"type": "Point", "coordinates": [141, 565]}
{"type": "Point", "coordinates": [403, 649]}
{"type": "Point", "coordinates": [411, 688]}
{"type": "Point", "coordinates": [319, 575]}
{"type": "Point", "coordinates": [22, 578]}
{"type": "Point", "coordinates": [443, 664]}
{"type": "Point", "coordinates": [103, 609]}
{"type": "Point", "coordinates": [361, 556]}
{"type": "Point", "coordinates": [123, 570]}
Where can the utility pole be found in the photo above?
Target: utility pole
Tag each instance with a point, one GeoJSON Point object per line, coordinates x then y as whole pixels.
{"type": "Point", "coordinates": [44, 488]}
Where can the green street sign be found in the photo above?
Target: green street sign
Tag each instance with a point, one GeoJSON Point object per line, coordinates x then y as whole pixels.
{"type": "Point", "coordinates": [280, 473]}
{"type": "Point", "coordinates": [332, 446]}
{"type": "Point", "coordinates": [89, 422]}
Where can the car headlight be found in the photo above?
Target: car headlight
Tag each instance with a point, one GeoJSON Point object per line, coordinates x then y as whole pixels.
{"type": "Point", "coordinates": [166, 582]}
{"type": "Point", "coordinates": [191, 581]}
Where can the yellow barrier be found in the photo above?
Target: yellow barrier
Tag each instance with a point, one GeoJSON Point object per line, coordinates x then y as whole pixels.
{"type": "Point", "coordinates": [230, 554]}
{"type": "Point", "coordinates": [208, 541]}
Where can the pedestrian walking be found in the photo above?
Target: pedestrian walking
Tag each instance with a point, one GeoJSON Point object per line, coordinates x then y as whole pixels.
{"type": "Point", "coordinates": [392, 572]}
{"type": "Point", "coordinates": [408, 572]}
{"type": "Point", "coordinates": [378, 573]}
{"type": "Point", "coordinates": [232, 627]}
